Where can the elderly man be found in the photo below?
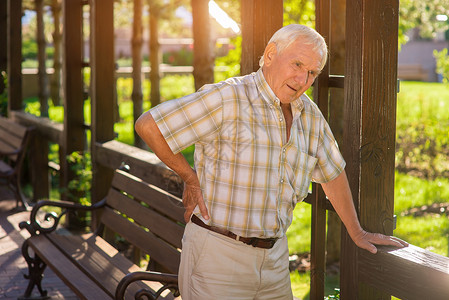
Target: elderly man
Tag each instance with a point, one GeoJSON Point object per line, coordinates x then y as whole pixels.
{"type": "Point", "coordinates": [259, 142]}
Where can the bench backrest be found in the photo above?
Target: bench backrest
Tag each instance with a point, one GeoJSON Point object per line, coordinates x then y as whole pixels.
{"type": "Point", "coordinates": [147, 217]}
{"type": "Point", "coordinates": [13, 137]}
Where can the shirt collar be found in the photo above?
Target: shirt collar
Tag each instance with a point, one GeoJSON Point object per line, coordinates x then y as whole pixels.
{"type": "Point", "coordinates": [268, 94]}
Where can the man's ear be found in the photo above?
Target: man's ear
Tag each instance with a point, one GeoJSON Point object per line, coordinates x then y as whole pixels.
{"type": "Point", "coordinates": [270, 52]}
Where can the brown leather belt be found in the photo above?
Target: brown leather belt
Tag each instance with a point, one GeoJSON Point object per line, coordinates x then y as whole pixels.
{"type": "Point", "coordinates": [253, 241]}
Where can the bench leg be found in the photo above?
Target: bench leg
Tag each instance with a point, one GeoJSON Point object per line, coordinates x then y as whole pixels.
{"type": "Point", "coordinates": [36, 269]}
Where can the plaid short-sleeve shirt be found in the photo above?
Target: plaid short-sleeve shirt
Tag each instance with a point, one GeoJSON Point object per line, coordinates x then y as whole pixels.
{"type": "Point", "coordinates": [250, 175]}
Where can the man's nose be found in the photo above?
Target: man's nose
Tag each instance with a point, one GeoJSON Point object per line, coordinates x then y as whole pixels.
{"type": "Point", "coordinates": [302, 77]}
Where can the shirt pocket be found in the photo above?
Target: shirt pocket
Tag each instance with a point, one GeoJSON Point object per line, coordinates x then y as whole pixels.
{"type": "Point", "coordinates": [299, 171]}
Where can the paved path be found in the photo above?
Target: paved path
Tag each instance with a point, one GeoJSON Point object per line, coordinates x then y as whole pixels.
{"type": "Point", "coordinates": [12, 264]}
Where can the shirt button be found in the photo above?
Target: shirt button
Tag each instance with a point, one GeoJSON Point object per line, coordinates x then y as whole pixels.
{"type": "Point", "coordinates": [280, 119]}
{"type": "Point", "coordinates": [271, 106]}
{"type": "Point", "coordinates": [283, 150]}
{"type": "Point", "coordinates": [282, 180]}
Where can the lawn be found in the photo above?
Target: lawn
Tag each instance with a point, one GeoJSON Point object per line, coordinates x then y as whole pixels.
{"type": "Point", "coordinates": [421, 162]}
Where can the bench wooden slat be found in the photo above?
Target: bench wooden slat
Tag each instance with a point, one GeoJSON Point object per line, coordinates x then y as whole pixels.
{"type": "Point", "coordinates": [160, 225]}
{"type": "Point", "coordinates": [12, 135]}
{"type": "Point", "coordinates": [63, 267]}
{"type": "Point", "coordinates": [105, 270]}
{"type": "Point", "coordinates": [12, 126]}
{"type": "Point", "coordinates": [168, 205]}
{"type": "Point", "coordinates": [158, 250]}
{"type": "Point", "coordinates": [102, 246]}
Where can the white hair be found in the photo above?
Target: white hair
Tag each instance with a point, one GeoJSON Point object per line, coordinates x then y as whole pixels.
{"type": "Point", "coordinates": [285, 36]}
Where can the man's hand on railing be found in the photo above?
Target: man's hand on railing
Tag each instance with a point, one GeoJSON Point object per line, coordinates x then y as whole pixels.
{"type": "Point", "coordinates": [367, 240]}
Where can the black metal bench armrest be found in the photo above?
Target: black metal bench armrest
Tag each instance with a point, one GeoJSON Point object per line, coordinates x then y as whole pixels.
{"type": "Point", "coordinates": [34, 226]}
{"type": "Point", "coordinates": [169, 281]}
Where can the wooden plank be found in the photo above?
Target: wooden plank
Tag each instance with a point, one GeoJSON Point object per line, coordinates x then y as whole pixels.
{"type": "Point", "coordinates": [370, 107]}
{"type": "Point", "coordinates": [44, 127]}
{"type": "Point", "coordinates": [142, 163]}
{"type": "Point", "coordinates": [64, 268]}
{"type": "Point", "coordinates": [408, 273]}
{"type": "Point", "coordinates": [155, 197]}
{"type": "Point", "coordinates": [260, 20]}
{"type": "Point", "coordinates": [351, 133]}
{"type": "Point", "coordinates": [147, 241]}
{"type": "Point", "coordinates": [158, 224]}
{"type": "Point", "coordinates": [12, 127]}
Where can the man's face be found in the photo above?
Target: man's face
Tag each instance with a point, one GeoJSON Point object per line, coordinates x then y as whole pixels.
{"type": "Point", "coordinates": [291, 72]}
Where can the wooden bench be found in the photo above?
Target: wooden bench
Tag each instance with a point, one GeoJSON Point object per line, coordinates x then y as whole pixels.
{"type": "Point", "coordinates": [14, 140]}
{"type": "Point", "coordinates": [144, 215]}
{"type": "Point", "coordinates": [413, 72]}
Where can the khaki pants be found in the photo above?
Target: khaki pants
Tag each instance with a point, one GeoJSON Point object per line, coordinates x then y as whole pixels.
{"type": "Point", "coordinates": [215, 267]}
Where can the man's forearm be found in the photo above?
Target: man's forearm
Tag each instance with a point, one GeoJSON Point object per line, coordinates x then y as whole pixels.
{"type": "Point", "coordinates": [339, 194]}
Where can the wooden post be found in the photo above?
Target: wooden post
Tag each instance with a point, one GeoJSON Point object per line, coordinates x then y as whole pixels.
{"type": "Point", "coordinates": [318, 236]}
{"type": "Point", "coordinates": [3, 41]}
{"type": "Point", "coordinates": [336, 108]}
{"type": "Point", "coordinates": [370, 113]}
{"type": "Point", "coordinates": [73, 138]}
{"type": "Point", "coordinates": [260, 20]}
{"type": "Point", "coordinates": [103, 88]}
{"type": "Point", "coordinates": [14, 54]}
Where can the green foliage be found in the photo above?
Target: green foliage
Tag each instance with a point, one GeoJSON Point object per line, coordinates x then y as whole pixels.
{"type": "Point", "coordinates": [176, 86]}
{"type": "Point", "coordinates": [430, 232]}
{"type": "Point", "coordinates": [4, 95]}
{"type": "Point", "coordinates": [412, 191]}
{"type": "Point", "coordinates": [181, 57]}
{"type": "Point", "coordinates": [442, 59]}
{"type": "Point", "coordinates": [336, 295]}
{"type": "Point", "coordinates": [422, 14]}
{"type": "Point", "coordinates": [231, 60]}
{"type": "Point", "coordinates": [299, 233]}
{"type": "Point", "coordinates": [422, 129]}
{"type": "Point", "coordinates": [299, 12]}
{"type": "Point", "coordinates": [80, 186]}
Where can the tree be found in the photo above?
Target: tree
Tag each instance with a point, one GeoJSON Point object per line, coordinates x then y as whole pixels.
{"type": "Point", "coordinates": [422, 15]}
